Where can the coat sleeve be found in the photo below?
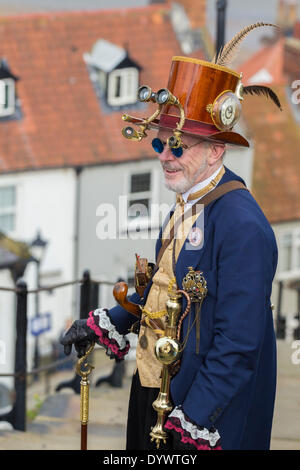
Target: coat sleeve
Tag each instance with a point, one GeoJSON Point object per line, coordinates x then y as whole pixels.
{"type": "Point", "coordinates": [245, 273]}
{"type": "Point", "coordinates": [112, 326]}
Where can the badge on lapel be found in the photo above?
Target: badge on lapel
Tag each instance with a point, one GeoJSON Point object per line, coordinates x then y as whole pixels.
{"type": "Point", "coordinates": [195, 236]}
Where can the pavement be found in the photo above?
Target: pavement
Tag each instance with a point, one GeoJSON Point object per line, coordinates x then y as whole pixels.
{"type": "Point", "coordinates": [57, 425]}
{"type": "Point", "coordinates": [286, 422]}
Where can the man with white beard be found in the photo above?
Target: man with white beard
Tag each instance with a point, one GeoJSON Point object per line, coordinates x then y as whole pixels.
{"type": "Point", "coordinates": [222, 389]}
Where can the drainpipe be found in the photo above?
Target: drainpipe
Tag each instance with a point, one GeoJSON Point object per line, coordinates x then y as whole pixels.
{"type": "Point", "coordinates": [221, 18]}
{"type": "Point", "coordinates": [78, 171]}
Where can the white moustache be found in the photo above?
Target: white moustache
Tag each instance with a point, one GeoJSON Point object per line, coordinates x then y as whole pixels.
{"type": "Point", "coordinates": [169, 167]}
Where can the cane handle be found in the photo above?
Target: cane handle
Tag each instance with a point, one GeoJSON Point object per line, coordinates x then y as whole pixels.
{"type": "Point", "coordinates": [120, 294]}
{"type": "Point", "coordinates": [81, 362]}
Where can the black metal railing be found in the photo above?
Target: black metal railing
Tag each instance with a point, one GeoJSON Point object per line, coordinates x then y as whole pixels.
{"type": "Point", "coordinates": [89, 298]}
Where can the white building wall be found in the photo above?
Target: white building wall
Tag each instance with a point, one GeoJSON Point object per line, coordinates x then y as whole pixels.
{"type": "Point", "coordinates": [45, 201]}
{"type": "Point", "coordinates": [289, 297]}
{"type": "Point", "coordinates": [7, 329]}
{"type": "Point", "coordinates": [240, 161]}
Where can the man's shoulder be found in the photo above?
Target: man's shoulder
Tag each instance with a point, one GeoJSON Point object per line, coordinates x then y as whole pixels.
{"type": "Point", "coordinates": [239, 208]}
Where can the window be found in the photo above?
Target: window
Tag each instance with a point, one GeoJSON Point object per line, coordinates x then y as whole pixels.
{"type": "Point", "coordinates": [139, 198]}
{"type": "Point", "coordinates": [290, 251]}
{"type": "Point", "coordinates": [7, 208]}
{"type": "Point", "coordinates": [122, 86]}
{"type": "Point", "coordinates": [142, 214]}
{"type": "Point", "coordinates": [286, 252]}
{"type": "Point", "coordinates": [7, 96]}
{"type": "Point", "coordinates": [140, 182]}
{"type": "Point", "coordinates": [102, 80]}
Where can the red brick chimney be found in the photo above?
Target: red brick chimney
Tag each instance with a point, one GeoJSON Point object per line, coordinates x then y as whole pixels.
{"type": "Point", "coordinates": [286, 14]}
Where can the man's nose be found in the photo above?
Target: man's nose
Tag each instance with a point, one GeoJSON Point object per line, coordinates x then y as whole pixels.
{"type": "Point", "coordinates": [166, 155]}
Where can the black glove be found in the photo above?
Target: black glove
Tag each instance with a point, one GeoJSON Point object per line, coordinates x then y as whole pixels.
{"type": "Point", "coordinates": [80, 335]}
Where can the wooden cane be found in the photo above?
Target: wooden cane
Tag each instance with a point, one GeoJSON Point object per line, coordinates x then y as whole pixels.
{"type": "Point", "coordinates": [84, 394]}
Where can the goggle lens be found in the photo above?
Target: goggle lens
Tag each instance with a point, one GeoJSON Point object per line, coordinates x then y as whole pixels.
{"type": "Point", "coordinates": [177, 152]}
{"type": "Point", "coordinates": [158, 146]}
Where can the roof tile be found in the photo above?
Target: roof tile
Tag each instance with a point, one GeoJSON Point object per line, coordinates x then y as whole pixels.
{"type": "Point", "coordinates": [63, 123]}
{"type": "Point", "coordinates": [276, 138]}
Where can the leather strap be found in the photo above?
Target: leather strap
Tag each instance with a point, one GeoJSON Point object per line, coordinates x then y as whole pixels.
{"type": "Point", "coordinates": [213, 195]}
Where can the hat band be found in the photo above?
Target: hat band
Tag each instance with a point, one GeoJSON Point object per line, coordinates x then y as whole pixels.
{"type": "Point", "coordinates": [194, 127]}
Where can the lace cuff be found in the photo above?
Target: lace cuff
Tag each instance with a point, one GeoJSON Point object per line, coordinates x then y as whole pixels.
{"type": "Point", "coordinates": [115, 344]}
{"type": "Point", "coordinates": [188, 435]}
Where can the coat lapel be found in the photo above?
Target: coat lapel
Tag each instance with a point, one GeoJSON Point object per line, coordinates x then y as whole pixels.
{"type": "Point", "coordinates": [190, 255]}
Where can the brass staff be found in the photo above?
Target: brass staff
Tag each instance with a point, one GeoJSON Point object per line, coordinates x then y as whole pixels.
{"type": "Point", "coordinates": [84, 394]}
{"type": "Point", "coordinates": [167, 351]}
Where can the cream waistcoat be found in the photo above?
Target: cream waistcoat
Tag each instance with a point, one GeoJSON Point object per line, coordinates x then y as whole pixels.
{"type": "Point", "coordinates": [148, 366]}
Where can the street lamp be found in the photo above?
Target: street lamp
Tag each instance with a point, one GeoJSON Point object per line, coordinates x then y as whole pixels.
{"type": "Point", "coordinates": [37, 248]}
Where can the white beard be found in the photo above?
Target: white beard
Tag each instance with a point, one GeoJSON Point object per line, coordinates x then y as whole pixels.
{"type": "Point", "coordinates": [185, 183]}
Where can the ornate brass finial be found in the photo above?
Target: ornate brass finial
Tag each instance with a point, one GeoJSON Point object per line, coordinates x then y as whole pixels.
{"type": "Point", "coordinates": [195, 285]}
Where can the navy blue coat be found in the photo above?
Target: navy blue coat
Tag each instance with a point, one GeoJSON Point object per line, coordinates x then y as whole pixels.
{"type": "Point", "coordinates": [230, 384]}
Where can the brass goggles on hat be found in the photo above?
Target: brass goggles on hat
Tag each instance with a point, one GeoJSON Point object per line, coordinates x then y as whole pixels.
{"type": "Point", "coordinates": [161, 97]}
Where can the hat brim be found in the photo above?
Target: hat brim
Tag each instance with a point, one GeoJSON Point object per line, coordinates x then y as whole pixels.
{"type": "Point", "coordinates": [198, 129]}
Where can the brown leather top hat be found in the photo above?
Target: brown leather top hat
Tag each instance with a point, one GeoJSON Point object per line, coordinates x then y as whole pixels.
{"type": "Point", "coordinates": [201, 99]}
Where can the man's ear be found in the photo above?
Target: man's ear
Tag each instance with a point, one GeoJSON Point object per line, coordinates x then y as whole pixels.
{"type": "Point", "coordinates": [215, 153]}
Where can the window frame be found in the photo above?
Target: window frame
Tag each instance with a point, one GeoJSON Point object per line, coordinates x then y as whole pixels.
{"type": "Point", "coordinates": [126, 74]}
{"type": "Point", "coordinates": [144, 223]}
{"type": "Point", "coordinates": [9, 85]}
{"type": "Point", "coordinates": [10, 210]}
{"type": "Point", "coordinates": [294, 252]}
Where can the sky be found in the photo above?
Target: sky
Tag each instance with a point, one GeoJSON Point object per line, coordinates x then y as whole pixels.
{"type": "Point", "coordinates": [241, 13]}
{"type": "Point", "coordinates": [11, 6]}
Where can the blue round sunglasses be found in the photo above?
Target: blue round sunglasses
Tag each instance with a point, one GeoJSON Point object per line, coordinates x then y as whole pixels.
{"type": "Point", "coordinates": [158, 145]}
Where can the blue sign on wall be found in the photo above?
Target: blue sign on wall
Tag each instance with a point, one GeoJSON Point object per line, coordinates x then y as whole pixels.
{"type": "Point", "coordinates": [40, 324]}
